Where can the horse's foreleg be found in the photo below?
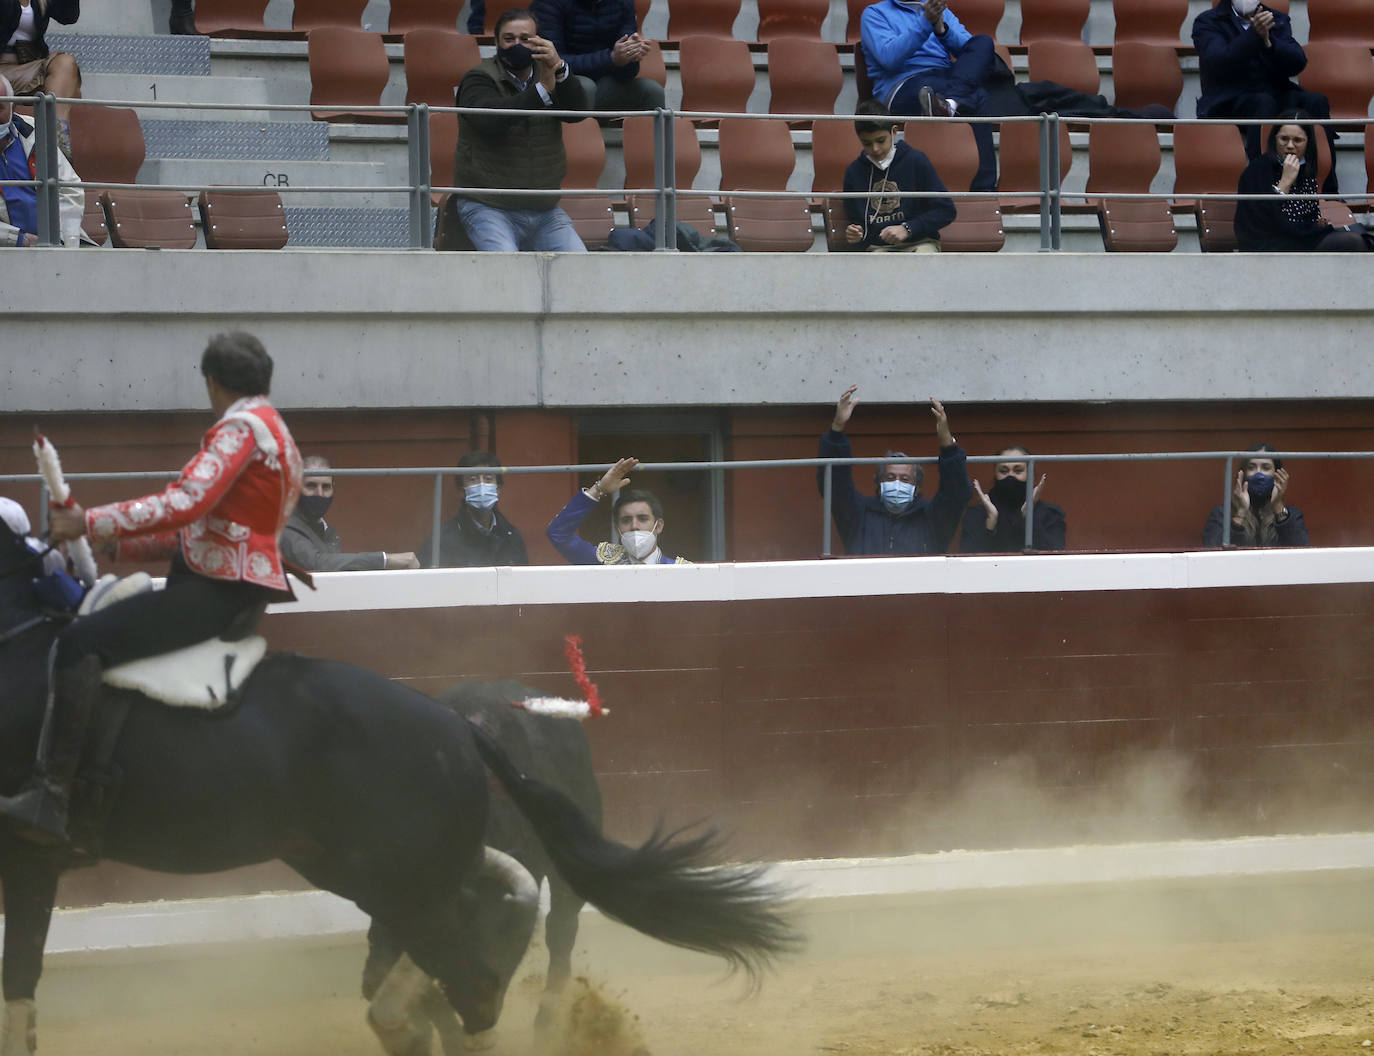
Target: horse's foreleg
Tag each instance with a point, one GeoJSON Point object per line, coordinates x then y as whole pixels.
{"type": "Point", "coordinates": [30, 885]}
{"type": "Point", "coordinates": [560, 933]}
{"type": "Point", "coordinates": [395, 1014]}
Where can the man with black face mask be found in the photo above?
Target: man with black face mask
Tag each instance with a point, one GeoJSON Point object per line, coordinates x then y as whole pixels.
{"type": "Point", "coordinates": [1260, 514]}
{"type": "Point", "coordinates": [996, 524]}
{"type": "Point", "coordinates": [522, 152]}
{"type": "Point", "coordinates": [310, 543]}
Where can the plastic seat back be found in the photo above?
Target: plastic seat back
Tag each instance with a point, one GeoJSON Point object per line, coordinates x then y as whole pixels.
{"type": "Point", "coordinates": [313, 14]}
{"type": "Point", "coordinates": [93, 220]}
{"type": "Point", "coordinates": [1134, 225]}
{"type": "Point", "coordinates": [410, 15]}
{"type": "Point", "coordinates": [711, 18]}
{"type": "Point", "coordinates": [651, 66]}
{"type": "Point", "coordinates": [1344, 73]}
{"type": "Point", "coordinates": [231, 18]}
{"type": "Point", "coordinates": [1018, 157]}
{"type": "Point", "coordinates": [443, 143]}
{"type": "Point", "coordinates": [1351, 21]}
{"type": "Point", "coordinates": [1067, 62]}
{"type": "Point", "coordinates": [804, 76]}
{"type": "Point", "coordinates": [1208, 159]}
{"type": "Point", "coordinates": [592, 215]}
{"type": "Point", "coordinates": [107, 143]}
{"type": "Point", "coordinates": [981, 16]}
{"type": "Point", "coordinates": [755, 155]}
{"type": "Point", "coordinates": [242, 219]}
{"type": "Point", "coordinates": [833, 146]}
{"type": "Point", "coordinates": [854, 28]}
{"type": "Point", "coordinates": [770, 225]}
{"type": "Point", "coordinates": [952, 151]}
{"type": "Point", "coordinates": [1145, 73]}
{"type": "Point", "coordinates": [496, 8]}
{"type": "Point", "coordinates": [1053, 20]}
{"type": "Point", "coordinates": [1216, 226]}
{"type": "Point", "coordinates": [717, 74]}
{"type": "Point", "coordinates": [348, 68]}
{"type": "Point", "coordinates": [436, 60]}
{"type": "Point", "coordinates": [1150, 21]}
{"type": "Point", "coordinates": [1122, 158]}
{"type": "Point", "coordinates": [791, 18]}
{"type": "Point", "coordinates": [140, 218]}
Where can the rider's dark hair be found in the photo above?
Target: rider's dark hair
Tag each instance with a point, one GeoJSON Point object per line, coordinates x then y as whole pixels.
{"type": "Point", "coordinates": [628, 495]}
{"type": "Point", "coordinates": [238, 362]}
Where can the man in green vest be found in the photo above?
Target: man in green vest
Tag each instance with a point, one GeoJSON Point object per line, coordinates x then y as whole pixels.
{"type": "Point", "coordinates": [516, 151]}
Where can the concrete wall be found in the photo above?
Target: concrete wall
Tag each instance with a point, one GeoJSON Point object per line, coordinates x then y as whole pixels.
{"type": "Point", "coordinates": [122, 330]}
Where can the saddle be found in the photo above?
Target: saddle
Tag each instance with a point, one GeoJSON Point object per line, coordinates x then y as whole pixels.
{"type": "Point", "coordinates": [204, 675]}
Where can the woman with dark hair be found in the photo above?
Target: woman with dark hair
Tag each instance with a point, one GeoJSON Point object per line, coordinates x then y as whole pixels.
{"type": "Point", "coordinates": [996, 523]}
{"type": "Point", "coordinates": [1283, 223]}
{"type": "Point", "coordinates": [1260, 514]}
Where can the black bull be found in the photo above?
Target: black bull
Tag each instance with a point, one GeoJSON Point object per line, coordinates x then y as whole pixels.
{"type": "Point", "coordinates": [367, 789]}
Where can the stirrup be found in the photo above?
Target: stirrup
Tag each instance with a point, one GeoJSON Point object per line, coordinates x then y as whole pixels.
{"type": "Point", "coordinates": [38, 812]}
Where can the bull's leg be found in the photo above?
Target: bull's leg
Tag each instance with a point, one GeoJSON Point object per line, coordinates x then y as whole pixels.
{"type": "Point", "coordinates": [396, 1014]}
{"type": "Point", "coordinates": [560, 933]}
{"type": "Point", "coordinates": [451, 1037]}
{"type": "Point", "coordinates": [30, 884]}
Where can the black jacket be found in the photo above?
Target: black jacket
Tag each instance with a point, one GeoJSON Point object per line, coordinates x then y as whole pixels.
{"type": "Point", "coordinates": [1048, 530]}
{"type": "Point", "coordinates": [584, 31]}
{"type": "Point", "coordinates": [910, 170]}
{"type": "Point", "coordinates": [1232, 60]}
{"type": "Point", "coordinates": [64, 11]}
{"type": "Point", "coordinates": [1292, 530]}
{"type": "Point", "coordinates": [1277, 224]}
{"type": "Point", "coordinates": [314, 546]}
{"type": "Point", "coordinates": [463, 545]}
{"type": "Point", "coordinates": [865, 525]}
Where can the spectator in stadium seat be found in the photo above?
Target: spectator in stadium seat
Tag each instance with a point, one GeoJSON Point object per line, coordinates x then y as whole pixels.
{"type": "Point", "coordinates": [1247, 58]}
{"type": "Point", "coordinates": [638, 521]}
{"type": "Point", "coordinates": [996, 523]}
{"type": "Point", "coordinates": [899, 520]}
{"type": "Point", "coordinates": [32, 68]}
{"type": "Point", "coordinates": [19, 205]}
{"type": "Point", "coordinates": [480, 535]}
{"type": "Point", "coordinates": [922, 61]}
{"type": "Point", "coordinates": [310, 543]}
{"type": "Point", "coordinates": [892, 222]}
{"type": "Point", "coordinates": [1282, 224]}
{"type": "Point", "coordinates": [526, 73]}
{"type": "Point", "coordinates": [1260, 514]}
{"type": "Point", "coordinates": [601, 43]}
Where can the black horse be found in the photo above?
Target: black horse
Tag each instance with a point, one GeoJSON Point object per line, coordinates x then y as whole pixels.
{"type": "Point", "coordinates": [364, 787]}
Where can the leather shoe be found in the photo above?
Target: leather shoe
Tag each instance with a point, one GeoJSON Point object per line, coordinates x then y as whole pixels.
{"type": "Point", "coordinates": [933, 104]}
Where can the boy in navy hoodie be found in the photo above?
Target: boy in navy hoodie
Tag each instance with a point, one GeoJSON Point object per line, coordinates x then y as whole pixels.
{"type": "Point", "coordinates": [890, 221]}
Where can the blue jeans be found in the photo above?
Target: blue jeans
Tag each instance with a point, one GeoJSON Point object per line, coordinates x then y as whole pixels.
{"type": "Point", "coordinates": [494, 230]}
{"type": "Point", "coordinates": [963, 80]}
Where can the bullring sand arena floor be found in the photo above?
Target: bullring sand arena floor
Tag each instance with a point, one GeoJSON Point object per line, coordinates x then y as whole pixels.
{"type": "Point", "coordinates": [1274, 964]}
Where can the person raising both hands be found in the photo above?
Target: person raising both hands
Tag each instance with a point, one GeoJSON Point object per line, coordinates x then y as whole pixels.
{"type": "Point", "coordinates": [1260, 514]}
{"type": "Point", "coordinates": [899, 519]}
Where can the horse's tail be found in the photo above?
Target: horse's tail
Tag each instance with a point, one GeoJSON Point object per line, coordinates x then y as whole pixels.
{"type": "Point", "coordinates": [664, 888]}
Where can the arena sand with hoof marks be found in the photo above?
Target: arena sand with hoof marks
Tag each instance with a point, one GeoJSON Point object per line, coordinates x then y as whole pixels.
{"type": "Point", "coordinates": [1268, 964]}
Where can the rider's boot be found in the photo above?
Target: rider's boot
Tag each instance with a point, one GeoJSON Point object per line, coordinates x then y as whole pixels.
{"type": "Point", "coordinates": [40, 806]}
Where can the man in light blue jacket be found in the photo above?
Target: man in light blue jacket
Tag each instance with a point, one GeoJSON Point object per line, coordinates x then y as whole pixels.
{"type": "Point", "coordinates": [922, 61]}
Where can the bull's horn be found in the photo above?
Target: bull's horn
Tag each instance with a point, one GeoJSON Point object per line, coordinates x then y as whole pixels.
{"type": "Point", "coordinates": [517, 879]}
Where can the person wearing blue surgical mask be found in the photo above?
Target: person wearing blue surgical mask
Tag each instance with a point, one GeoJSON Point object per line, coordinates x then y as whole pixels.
{"type": "Point", "coordinates": [1260, 514]}
{"type": "Point", "coordinates": [897, 520]}
{"type": "Point", "coordinates": [310, 542]}
{"type": "Point", "coordinates": [480, 535]}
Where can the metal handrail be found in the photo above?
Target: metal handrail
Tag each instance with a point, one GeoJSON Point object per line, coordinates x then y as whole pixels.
{"type": "Point", "coordinates": [827, 465]}
{"type": "Point", "coordinates": [419, 189]}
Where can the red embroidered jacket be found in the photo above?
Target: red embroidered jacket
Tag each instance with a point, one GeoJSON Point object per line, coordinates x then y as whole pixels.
{"type": "Point", "coordinates": [229, 504]}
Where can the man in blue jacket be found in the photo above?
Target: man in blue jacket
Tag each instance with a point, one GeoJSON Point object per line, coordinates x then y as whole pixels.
{"type": "Point", "coordinates": [922, 61]}
{"type": "Point", "coordinates": [890, 169]}
{"type": "Point", "coordinates": [1247, 58]}
{"type": "Point", "coordinates": [602, 45]}
{"type": "Point", "coordinates": [899, 520]}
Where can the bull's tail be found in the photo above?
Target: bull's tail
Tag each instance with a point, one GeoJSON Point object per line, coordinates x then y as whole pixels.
{"type": "Point", "coordinates": [665, 888]}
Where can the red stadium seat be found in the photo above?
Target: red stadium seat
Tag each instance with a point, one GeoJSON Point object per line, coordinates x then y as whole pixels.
{"type": "Point", "coordinates": [1053, 20]}
{"type": "Point", "coordinates": [1150, 21]}
{"type": "Point", "coordinates": [496, 8]}
{"type": "Point", "coordinates": [639, 172]}
{"type": "Point", "coordinates": [833, 146]}
{"type": "Point", "coordinates": [232, 18]}
{"type": "Point", "coordinates": [1018, 156]}
{"type": "Point", "coordinates": [1208, 159]}
{"type": "Point", "coordinates": [1145, 73]}
{"type": "Point", "coordinates": [1349, 21]}
{"type": "Point", "coordinates": [758, 155]}
{"type": "Point", "coordinates": [93, 220]}
{"type": "Point", "coordinates": [1067, 62]}
{"type": "Point", "coordinates": [443, 143]}
{"type": "Point", "coordinates": [1344, 73]}
{"type": "Point", "coordinates": [717, 74]}
{"type": "Point", "coordinates": [107, 144]}
{"type": "Point", "coordinates": [1134, 225]}
{"type": "Point", "coordinates": [409, 15]}
{"type": "Point", "coordinates": [711, 18]}
{"type": "Point", "coordinates": [313, 14]}
{"type": "Point", "coordinates": [804, 76]}
{"type": "Point", "coordinates": [242, 219]}
{"type": "Point", "coordinates": [141, 218]}
{"type": "Point", "coordinates": [348, 68]}
{"type": "Point", "coordinates": [791, 18]}
{"type": "Point", "coordinates": [436, 60]}
{"type": "Point", "coordinates": [951, 149]}
{"type": "Point", "coordinates": [980, 16]}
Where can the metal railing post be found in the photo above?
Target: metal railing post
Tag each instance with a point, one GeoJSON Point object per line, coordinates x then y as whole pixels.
{"type": "Point", "coordinates": [49, 216]}
{"type": "Point", "coordinates": [670, 179]}
{"type": "Point", "coordinates": [1226, 502]}
{"type": "Point", "coordinates": [661, 240]}
{"type": "Point", "coordinates": [1056, 202]}
{"type": "Point", "coordinates": [437, 519]}
{"type": "Point", "coordinates": [1046, 240]}
{"type": "Point", "coordinates": [417, 159]}
{"type": "Point", "coordinates": [827, 490]}
{"type": "Point", "coordinates": [1030, 503]}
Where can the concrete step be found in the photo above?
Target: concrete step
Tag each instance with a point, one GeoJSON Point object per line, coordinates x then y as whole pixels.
{"type": "Point", "coordinates": [192, 174]}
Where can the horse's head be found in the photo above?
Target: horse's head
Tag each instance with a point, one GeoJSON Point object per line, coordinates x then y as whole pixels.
{"type": "Point", "coordinates": [501, 907]}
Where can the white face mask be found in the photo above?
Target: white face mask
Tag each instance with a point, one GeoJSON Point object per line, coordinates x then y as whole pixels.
{"type": "Point", "coordinates": [885, 162]}
{"type": "Point", "coordinates": [480, 496]}
{"type": "Point", "coordinates": [639, 544]}
{"type": "Point", "coordinates": [1245, 8]}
